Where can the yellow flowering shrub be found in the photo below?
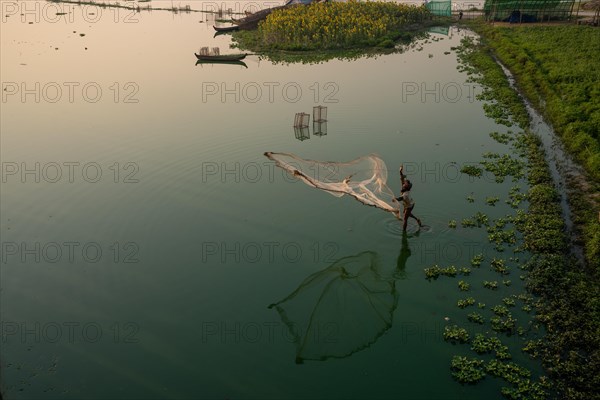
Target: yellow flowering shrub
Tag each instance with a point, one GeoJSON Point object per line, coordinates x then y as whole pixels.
{"type": "Point", "coordinates": [337, 25]}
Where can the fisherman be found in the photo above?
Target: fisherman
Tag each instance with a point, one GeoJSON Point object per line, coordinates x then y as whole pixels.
{"type": "Point", "coordinates": [408, 202]}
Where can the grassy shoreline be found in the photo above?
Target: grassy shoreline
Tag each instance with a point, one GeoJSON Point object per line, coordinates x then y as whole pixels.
{"type": "Point", "coordinates": [568, 297]}
{"type": "Point", "coordinates": [556, 69]}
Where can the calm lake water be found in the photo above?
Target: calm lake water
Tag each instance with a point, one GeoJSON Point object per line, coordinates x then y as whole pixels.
{"type": "Point", "coordinates": [144, 233]}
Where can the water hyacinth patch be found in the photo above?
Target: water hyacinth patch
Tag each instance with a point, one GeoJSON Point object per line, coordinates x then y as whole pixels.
{"type": "Point", "coordinates": [481, 219]}
{"type": "Point", "coordinates": [500, 237]}
{"type": "Point", "coordinates": [499, 223]}
{"type": "Point", "coordinates": [503, 138]}
{"type": "Point", "coordinates": [469, 301]}
{"type": "Point", "coordinates": [509, 302]}
{"type": "Point", "coordinates": [467, 370]}
{"type": "Point", "coordinates": [435, 271]}
{"type": "Point", "coordinates": [456, 334]}
{"type": "Point", "coordinates": [504, 165]}
{"type": "Point", "coordinates": [499, 266]}
{"type": "Point", "coordinates": [477, 260]}
{"type": "Point", "coordinates": [516, 197]}
{"type": "Point", "coordinates": [472, 170]}
{"type": "Point", "coordinates": [490, 285]}
{"type": "Point", "coordinates": [476, 318]}
{"type": "Point", "coordinates": [482, 344]}
{"type": "Point", "coordinates": [523, 387]}
{"type": "Point", "coordinates": [500, 310]}
{"type": "Point", "coordinates": [491, 201]}
{"type": "Point", "coordinates": [468, 223]}
{"type": "Point", "coordinates": [506, 324]}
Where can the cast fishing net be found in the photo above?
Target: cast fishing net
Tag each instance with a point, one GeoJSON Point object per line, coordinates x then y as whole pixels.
{"type": "Point", "coordinates": [364, 178]}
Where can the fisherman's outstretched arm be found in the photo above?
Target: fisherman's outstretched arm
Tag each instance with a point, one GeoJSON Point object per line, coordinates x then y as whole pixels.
{"type": "Point", "coordinates": [402, 177]}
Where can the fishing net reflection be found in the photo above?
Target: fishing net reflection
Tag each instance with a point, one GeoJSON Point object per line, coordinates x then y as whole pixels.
{"type": "Point", "coordinates": [341, 309]}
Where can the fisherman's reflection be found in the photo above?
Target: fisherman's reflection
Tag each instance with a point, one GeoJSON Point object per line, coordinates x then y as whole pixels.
{"type": "Point", "coordinates": [344, 308]}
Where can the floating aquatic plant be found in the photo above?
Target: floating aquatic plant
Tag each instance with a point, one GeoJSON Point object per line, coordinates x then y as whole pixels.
{"type": "Point", "coordinates": [476, 318]}
{"type": "Point", "coordinates": [491, 201]}
{"type": "Point", "coordinates": [481, 218]}
{"type": "Point", "coordinates": [499, 265]}
{"type": "Point", "coordinates": [435, 271]}
{"type": "Point", "coordinates": [499, 223]}
{"type": "Point", "coordinates": [490, 284]}
{"type": "Point", "coordinates": [482, 345]}
{"type": "Point", "coordinates": [509, 302]}
{"type": "Point", "coordinates": [500, 324]}
{"type": "Point", "coordinates": [477, 260]}
{"type": "Point", "coordinates": [503, 138]}
{"type": "Point", "coordinates": [500, 310]}
{"type": "Point", "coordinates": [503, 165]}
{"type": "Point", "coordinates": [469, 301]}
{"type": "Point", "coordinates": [468, 223]}
{"type": "Point", "coordinates": [523, 387]}
{"type": "Point", "coordinates": [464, 271]}
{"type": "Point", "coordinates": [456, 334]}
{"type": "Point", "coordinates": [515, 197]}
{"type": "Point", "coordinates": [500, 237]}
{"type": "Point", "coordinates": [471, 170]}
{"type": "Point", "coordinates": [467, 370]}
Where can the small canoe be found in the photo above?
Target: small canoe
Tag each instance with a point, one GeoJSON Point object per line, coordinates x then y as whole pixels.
{"type": "Point", "coordinates": [226, 28]}
{"type": "Point", "coordinates": [222, 58]}
{"type": "Point", "coordinates": [243, 64]}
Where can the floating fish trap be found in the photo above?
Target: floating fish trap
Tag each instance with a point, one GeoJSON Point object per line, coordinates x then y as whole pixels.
{"type": "Point", "coordinates": [301, 133]}
{"type": "Point", "coordinates": [301, 120]}
{"type": "Point", "coordinates": [320, 128]}
{"type": "Point", "coordinates": [319, 114]}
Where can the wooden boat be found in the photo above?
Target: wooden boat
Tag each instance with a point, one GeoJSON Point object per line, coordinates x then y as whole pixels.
{"type": "Point", "coordinates": [222, 29]}
{"type": "Point", "coordinates": [219, 34]}
{"type": "Point", "coordinates": [243, 64]}
{"type": "Point", "coordinates": [221, 57]}
{"type": "Point", "coordinates": [251, 21]}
